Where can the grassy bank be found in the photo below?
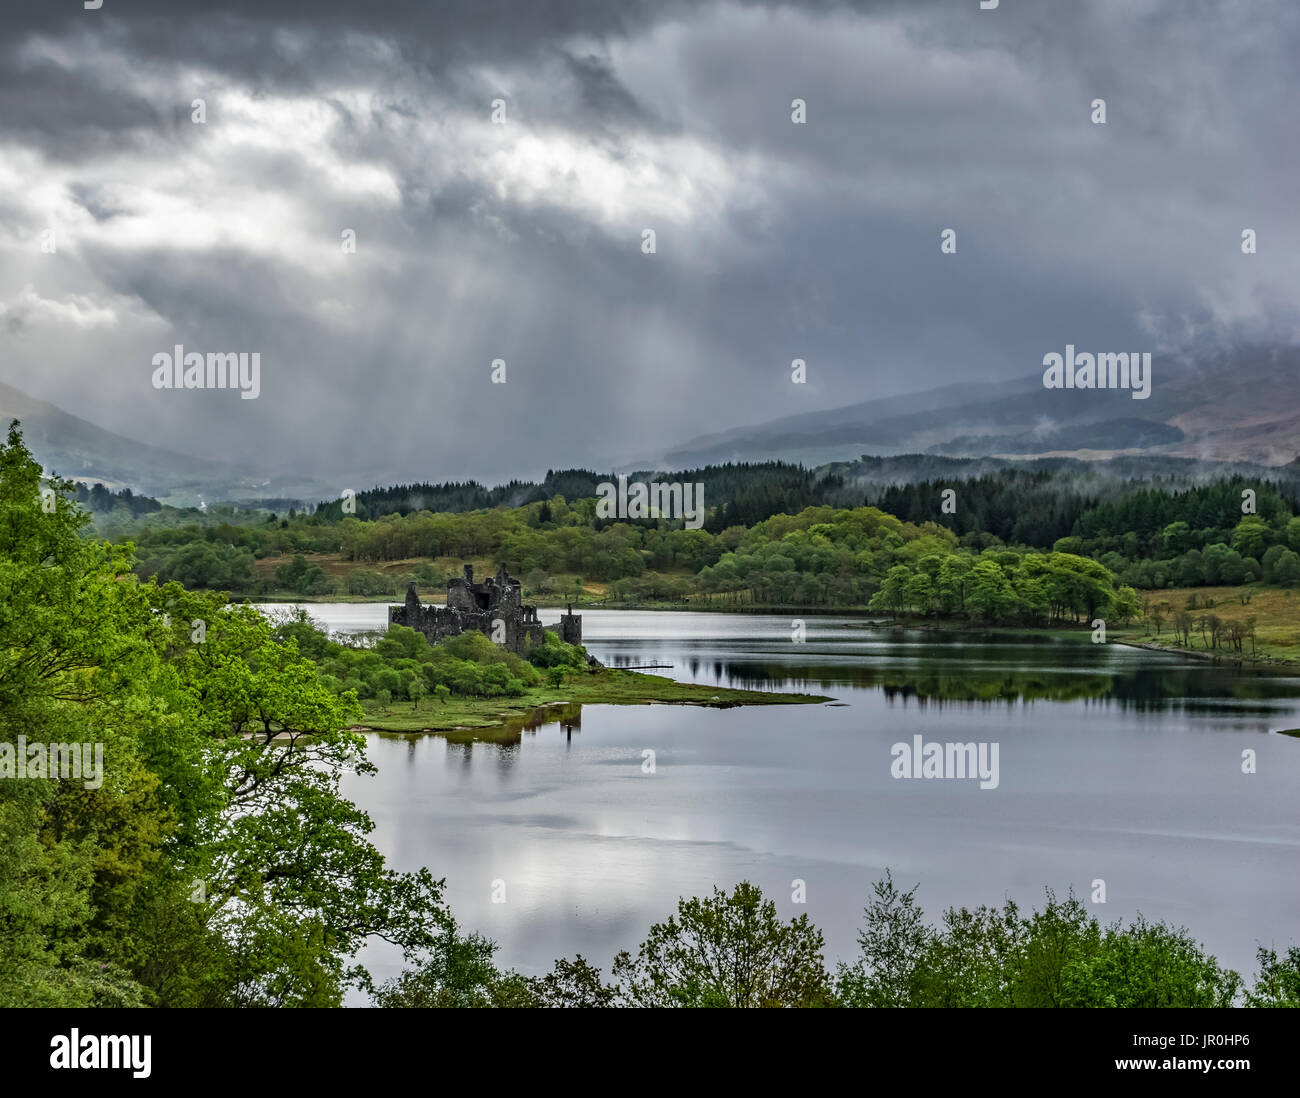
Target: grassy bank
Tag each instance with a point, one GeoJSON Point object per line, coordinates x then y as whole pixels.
{"type": "Point", "coordinates": [607, 687]}
{"type": "Point", "coordinates": [1275, 610]}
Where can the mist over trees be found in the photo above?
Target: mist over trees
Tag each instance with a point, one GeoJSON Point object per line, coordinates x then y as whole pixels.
{"type": "Point", "coordinates": [742, 493]}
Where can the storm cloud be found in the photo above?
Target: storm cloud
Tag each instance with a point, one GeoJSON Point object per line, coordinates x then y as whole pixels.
{"type": "Point", "coordinates": [522, 241]}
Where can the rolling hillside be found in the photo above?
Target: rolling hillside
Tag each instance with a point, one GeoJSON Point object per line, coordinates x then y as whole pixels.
{"type": "Point", "coordinates": [1240, 407]}
{"type": "Point", "coordinates": [76, 448]}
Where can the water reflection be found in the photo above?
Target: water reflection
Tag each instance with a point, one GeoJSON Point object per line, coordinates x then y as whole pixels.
{"type": "Point", "coordinates": [1189, 689]}
{"type": "Point", "coordinates": [506, 737]}
{"type": "Point", "coordinates": [938, 669]}
{"type": "Point", "coordinates": [1116, 762]}
{"type": "Point", "coordinates": [1142, 688]}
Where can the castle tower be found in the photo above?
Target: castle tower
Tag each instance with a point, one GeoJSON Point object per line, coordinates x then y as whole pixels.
{"type": "Point", "coordinates": [571, 627]}
{"type": "Point", "coordinates": [479, 606]}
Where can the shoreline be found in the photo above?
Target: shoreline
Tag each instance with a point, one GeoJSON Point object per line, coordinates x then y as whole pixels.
{"type": "Point", "coordinates": [1119, 635]}
{"type": "Point", "coordinates": [610, 686]}
{"type": "Point", "coordinates": [1254, 662]}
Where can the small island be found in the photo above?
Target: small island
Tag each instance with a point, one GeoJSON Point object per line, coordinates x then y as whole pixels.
{"type": "Point", "coordinates": [485, 661]}
{"type": "Point", "coordinates": [605, 686]}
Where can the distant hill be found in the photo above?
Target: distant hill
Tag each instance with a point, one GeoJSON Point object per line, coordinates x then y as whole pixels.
{"type": "Point", "coordinates": [1240, 407]}
{"type": "Point", "coordinates": [1110, 435]}
{"type": "Point", "coordinates": [76, 448]}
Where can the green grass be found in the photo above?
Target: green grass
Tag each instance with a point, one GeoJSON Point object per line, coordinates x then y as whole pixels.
{"type": "Point", "coordinates": [1276, 611]}
{"type": "Point", "coordinates": [607, 687]}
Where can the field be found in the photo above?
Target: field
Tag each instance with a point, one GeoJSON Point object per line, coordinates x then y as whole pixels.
{"type": "Point", "coordinates": [1276, 611]}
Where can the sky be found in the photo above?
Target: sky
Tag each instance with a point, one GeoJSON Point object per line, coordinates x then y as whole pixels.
{"type": "Point", "coordinates": [522, 240]}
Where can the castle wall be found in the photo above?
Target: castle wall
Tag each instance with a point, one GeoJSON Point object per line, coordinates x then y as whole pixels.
{"type": "Point", "coordinates": [494, 608]}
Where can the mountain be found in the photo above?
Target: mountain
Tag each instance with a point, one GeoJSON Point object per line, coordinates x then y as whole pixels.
{"type": "Point", "coordinates": [1240, 407]}
{"type": "Point", "coordinates": [1243, 406]}
{"type": "Point", "coordinates": [75, 448]}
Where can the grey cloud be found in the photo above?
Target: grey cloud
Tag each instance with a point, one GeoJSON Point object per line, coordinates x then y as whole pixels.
{"type": "Point", "coordinates": [821, 242]}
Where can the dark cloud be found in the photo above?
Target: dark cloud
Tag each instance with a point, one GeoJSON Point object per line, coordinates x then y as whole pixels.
{"type": "Point", "coordinates": [523, 242]}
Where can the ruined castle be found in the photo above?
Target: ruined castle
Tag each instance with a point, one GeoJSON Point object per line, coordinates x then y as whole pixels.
{"type": "Point", "coordinates": [495, 608]}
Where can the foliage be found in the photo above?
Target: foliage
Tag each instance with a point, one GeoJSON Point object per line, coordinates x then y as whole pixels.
{"type": "Point", "coordinates": [998, 957]}
{"type": "Point", "coordinates": [727, 951]}
{"type": "Point", "coordinates": [457, 972]}
{"type": "Point", "coordinates": [1278, 982]}
{"type": "Point", "coordinates": [216, 862]}
{"type": "Point", "coordinates": [774, 535]}
{"type": "Point", "coordinates": [403, 664]}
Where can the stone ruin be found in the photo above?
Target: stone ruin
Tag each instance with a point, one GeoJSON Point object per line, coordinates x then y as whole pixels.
{"type": "Point", "coordinates": [495, 608]}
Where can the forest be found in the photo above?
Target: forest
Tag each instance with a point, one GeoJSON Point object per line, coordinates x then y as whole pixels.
{"type": "Point", "coordinates": [216, 863]}
{"type": "Point", "coordinates": [739, 494]}
{"type": "Point", "coordinates": [1001, 532]}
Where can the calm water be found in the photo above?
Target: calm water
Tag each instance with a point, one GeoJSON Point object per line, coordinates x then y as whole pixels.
{"type": "Point", "coordinates": [1115, 763]}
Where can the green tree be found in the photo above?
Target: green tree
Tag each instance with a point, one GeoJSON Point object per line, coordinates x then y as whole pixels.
{"type": "Point", "coordinates": [727, 951]}
{"type": "Point", "coordinates": [572, 984]}
{"type": "Point", "coordinates": [1059, 956]}
{"type": "Point", "coordinates": [1148, 965]}
{"type": "Point", "coordinates": [75, 643]}
{"type": "Point", "coordinates": [1286, 569]}
{"type": "Point", "coordinates": [1176, 538]}
{"type": "Point", "coordinates": [291, 880]}
{"type": "Point", "coordinates": [892, 596]}
{"type": "Point", "coordinates": [1127, 604]}
{"type": "Point", "coordinates": [918, 592]}
{"type": "Point", "coordinates": [953, 574]}
{"type": "Point", "coordinates": [1278, 982]}
{"type": "Point", "coordinates": [457, 972]}
{"type": "Point", "coordinates": [215, 863]}
{"type": "Point", "coordinates": [989, 594]}
{"type": "Point", "coordinates": [1251, 536]}
{"type": "Point", "coordinates": [891, 947]}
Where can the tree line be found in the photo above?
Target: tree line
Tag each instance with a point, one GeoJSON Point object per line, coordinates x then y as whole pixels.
{"type": "Point", "coordinates": [733, 950]}
{"type": "Point", "coordinates": [757, 544]}
{"type": "Point", "coordinates": [738, 492]}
